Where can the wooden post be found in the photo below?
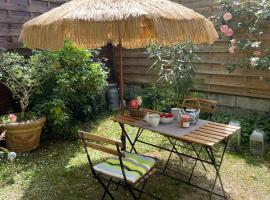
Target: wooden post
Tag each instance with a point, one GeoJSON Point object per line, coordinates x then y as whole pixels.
{"type": "Point", "coordinates": [121, 82]}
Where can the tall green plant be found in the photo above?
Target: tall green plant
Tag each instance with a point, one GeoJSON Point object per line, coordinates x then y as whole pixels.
{"type": "Point", "coordinates": [25, 76]}
{"type": "Point", "coordinates": [175, 69]}
{"type": "Point", "coordinates": [75, 93]}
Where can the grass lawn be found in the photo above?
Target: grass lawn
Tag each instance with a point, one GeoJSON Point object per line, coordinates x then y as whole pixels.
{"type": "Point", "coordinates": [59, 170]}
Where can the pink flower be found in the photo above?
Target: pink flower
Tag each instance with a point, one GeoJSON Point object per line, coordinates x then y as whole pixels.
{"type": "Point", "coordinates": [2, 135]}
{"type": "Point", "coordinates": [134, 104]}
{"type": "Point", "coordinates": [224, 28]}
{"type": "Point", "coordinates": [12, 117]}
{"type": "Point", "coordinates": [229, 32]}
{"type": "Point", "coordinates": [227, 16]}
{"type": "Point", "coordinates": [232, 49]}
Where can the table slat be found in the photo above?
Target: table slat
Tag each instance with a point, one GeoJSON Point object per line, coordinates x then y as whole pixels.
{"type": "Point", "coordinates": [206, 138]}
{"type": "Point", "coordinates": [199, 132]}
{"type": "Point", "coordinates": [224, 125]}
{"type": "Point", "coordinates": [128, 118]}
{"type": "Point", "coordinates": [195, 140]}
{"type": "Point", "coordinates": [221, 128]}
{"type": "Point", "coordinates": [207, 130]}
{"type": "Point", "coordinates": [224, 132]}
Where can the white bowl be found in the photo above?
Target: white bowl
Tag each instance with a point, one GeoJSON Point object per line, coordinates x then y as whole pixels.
{"type": "Point", "coordinates": [164, 120]}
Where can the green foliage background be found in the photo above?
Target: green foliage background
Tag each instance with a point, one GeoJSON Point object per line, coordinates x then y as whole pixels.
{"type": "Point", "coordinates": [74, 94]}
{"type": "Point", "coordinates": [249, 19]}
{"type": "Point", "coordinates": [175, 74]}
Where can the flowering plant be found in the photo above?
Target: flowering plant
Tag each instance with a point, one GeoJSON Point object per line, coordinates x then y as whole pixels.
{"type": "Point", "coordinates": [248, 19]}
{"type": "Point", "coordinates": [11, 118]}
{"type": "Point", "coordinates": [25, 76]}
{"type": "Point", "coordinates": [136, 104]}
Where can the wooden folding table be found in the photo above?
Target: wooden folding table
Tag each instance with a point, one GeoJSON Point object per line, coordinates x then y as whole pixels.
{"type": "Point", "coordinates": [205, 134]}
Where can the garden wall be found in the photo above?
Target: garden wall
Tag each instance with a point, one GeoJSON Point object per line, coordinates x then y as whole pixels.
{"type": "Point", "coordinates": [241, 89]}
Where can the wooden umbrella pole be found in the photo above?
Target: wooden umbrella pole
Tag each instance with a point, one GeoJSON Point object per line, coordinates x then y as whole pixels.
{"type": "Point", "coordinates": [121, 76]}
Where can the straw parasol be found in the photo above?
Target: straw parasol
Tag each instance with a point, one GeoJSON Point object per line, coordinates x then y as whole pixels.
{"type": "Point", "coordinates": [124, 23]}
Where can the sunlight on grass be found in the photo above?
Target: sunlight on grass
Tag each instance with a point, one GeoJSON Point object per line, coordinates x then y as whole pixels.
{"type": "Point", "coordinates": [59, 170]}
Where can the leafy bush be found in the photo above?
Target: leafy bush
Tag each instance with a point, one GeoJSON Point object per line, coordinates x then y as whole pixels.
{"type": "Point", "coordinates": [74, 94]}
{"type": "Point", "coordinates": [248, 122]}
{"type": "Point", "coordinates": [159, 97]}
{"type": "Point", "coordinates": [176, 71]}
{"type": "Point", "coordinates": [24, 76]}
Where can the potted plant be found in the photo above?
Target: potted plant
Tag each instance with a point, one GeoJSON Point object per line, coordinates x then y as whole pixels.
{"type": "Point", "coordinates": [23, 77]}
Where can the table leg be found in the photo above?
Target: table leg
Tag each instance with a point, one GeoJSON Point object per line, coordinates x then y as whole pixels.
{"type": "Point", "coordinates": [173, 149]}
{"type": "Point", "coordinates": [196, 161]}
{"type": "Point", "coordinates": [198, 155]}
{"type": "Point", "coordinates": [217, 167]}
{"type": "Point", "coordinates": [123, 137]}
{"type": "Point", "coordinates": [139, 132]}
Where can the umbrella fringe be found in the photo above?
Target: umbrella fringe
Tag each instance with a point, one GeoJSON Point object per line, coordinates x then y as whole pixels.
{"type": "Point", "coordinates": [93, 24]}
{"type": "Point", "coordinates": [98, 34]}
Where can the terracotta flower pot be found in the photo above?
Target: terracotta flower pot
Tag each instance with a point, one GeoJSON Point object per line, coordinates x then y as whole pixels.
{"type": "Point", "coordinates": [23, 136]}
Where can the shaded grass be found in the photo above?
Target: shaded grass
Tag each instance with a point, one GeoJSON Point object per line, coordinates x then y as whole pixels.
{"type": "Point", "coordinates": [59, 170]}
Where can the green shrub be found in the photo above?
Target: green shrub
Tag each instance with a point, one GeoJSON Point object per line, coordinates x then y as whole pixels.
{"type": "Point", "coordinates": [175, 68]}
{"type": "Point", "coordinates": [74, 94]}
{"type": "Point", "coordinates": [248, 121]}
{"type": "Point", "coordinates": [159, 97]}
{"type": "Point", "coordinates": [24, 77]}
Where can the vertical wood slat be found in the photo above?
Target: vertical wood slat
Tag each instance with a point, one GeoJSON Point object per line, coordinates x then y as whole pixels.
{"type": "Point", "coordinates": [212, 75]}
{"type": "Point", "coordinates": [14, 11]}
{"type": "Point", "coordinates": [9, 36]}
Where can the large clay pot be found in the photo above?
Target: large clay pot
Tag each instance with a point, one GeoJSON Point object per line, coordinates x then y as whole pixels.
{"type": "Point", "coordinates": [24, 136]}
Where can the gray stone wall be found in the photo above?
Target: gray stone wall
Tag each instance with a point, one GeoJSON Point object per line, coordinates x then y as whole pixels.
{"type": "Point", "coordinates": [226, 103]}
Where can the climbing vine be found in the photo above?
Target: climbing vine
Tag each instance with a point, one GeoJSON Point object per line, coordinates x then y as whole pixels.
{"type": "Point", "coordinates": [246, 25]}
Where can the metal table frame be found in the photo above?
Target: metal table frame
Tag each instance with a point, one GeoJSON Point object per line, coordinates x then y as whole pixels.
{"type": "Point", "coordinates": [211, 160]}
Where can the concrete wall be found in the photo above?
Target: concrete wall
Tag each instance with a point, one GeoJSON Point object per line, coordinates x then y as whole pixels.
{"type": "Point", "coordinates": [226, 103]}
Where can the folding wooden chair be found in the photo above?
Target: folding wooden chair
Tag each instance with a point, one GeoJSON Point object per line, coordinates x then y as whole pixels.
{"type": "Point", "coordinates": [206, 106]}
{"type": "Point", "coordinates": [124, 169]}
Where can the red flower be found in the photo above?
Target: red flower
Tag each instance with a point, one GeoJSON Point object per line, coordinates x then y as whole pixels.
{"type": "Point", "coordinates": [134, 104]}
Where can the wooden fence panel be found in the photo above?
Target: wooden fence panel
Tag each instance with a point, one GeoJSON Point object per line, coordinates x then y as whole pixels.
{"type": "Point", "coordinates": [14, 13]}
{"type": "Point", "coordinates": [210, 69]}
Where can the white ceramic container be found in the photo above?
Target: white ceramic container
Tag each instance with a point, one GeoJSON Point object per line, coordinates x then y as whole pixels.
{"type": "Point", "coordinates": [153, 120]}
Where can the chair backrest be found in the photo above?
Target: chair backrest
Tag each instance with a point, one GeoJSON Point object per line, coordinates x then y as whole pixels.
{"type": "Point", "coordinates": [205, 105]}
{"type": "Point", "coordinates": [95, 142]}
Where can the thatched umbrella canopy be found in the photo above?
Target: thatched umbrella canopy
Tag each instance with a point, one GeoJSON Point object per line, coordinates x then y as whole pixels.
{"type": "Point", "coordinates": [126, 23]}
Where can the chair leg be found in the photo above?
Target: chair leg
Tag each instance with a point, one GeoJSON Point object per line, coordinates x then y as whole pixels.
{"type": "Point", "coordinates": [132, 193]}
{"type": "Point", "coordinates": [107, 189]}
{"type": "Point", "coordinates": [140, 195]}
{"type": "Point", "coordinates": [117, 186]}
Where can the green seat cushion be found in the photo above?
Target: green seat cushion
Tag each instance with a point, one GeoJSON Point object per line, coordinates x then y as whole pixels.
{"type": "Point", "coordinates": [135, 166]}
